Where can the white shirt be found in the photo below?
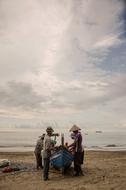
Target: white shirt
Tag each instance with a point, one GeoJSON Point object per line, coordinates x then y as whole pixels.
{"type": "Point", "coordinates": [47, 146]}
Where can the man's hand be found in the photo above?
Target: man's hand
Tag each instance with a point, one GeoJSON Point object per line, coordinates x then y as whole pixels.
{"type": "Point", "coordinates": [56, 134]}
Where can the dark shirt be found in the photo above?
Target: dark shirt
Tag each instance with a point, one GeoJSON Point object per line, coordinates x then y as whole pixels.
{"type": "Point", "coordinates": [78, 142]}
{"type": "Point", "coordinates": [39, 146]}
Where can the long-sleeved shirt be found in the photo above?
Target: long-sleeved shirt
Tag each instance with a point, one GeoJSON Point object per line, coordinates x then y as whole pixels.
{"type": "Point", "coordinates": [77, 145]}
{"type": "Point", "coordinates": [39, 146]}
{"type": "Point", "coordinates": [78, 142]}
{"type": "Point", "coordinates": [47, 146]}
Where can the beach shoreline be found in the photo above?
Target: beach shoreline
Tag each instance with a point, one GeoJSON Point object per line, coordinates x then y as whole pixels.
{"type": "Point", "coordinates": [23, 149]}
{"type": "Point", "coordinates": [103, 170]}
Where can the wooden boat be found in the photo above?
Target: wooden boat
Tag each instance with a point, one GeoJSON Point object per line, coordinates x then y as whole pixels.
{"type": "Point", "coordinates": [62, 159]}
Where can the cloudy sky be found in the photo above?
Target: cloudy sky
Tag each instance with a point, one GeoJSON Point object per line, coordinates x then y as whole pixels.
{"type": "Point", "coordinates": [63, 62]}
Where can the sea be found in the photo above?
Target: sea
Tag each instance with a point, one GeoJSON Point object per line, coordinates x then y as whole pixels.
{"type": "Point", "coordinates": [23, 140]}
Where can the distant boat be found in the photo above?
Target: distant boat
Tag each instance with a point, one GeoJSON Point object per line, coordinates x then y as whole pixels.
{"type": "Point", "coordinates": [98, 131]}
{"type": "Point", "coordinates": [86, 133]}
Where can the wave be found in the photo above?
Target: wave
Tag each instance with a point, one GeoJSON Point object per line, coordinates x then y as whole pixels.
{"type": "Point", "coordinates": [16, 146]}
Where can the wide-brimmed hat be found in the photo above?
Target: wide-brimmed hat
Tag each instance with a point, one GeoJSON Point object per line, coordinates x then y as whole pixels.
{"type": "Point", "coordinates": [74, 128]}
{"type": "Point", "coordinates": [49, 129]}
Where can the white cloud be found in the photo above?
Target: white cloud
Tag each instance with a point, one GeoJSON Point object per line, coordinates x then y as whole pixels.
{"type": "Point", "coordinates": [108, 41]}
{"type": "Point", "coordinates": [52, 50]}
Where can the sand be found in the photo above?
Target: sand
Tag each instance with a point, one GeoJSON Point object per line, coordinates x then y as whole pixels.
{"type": "Point", "coordinates": [102, 171]}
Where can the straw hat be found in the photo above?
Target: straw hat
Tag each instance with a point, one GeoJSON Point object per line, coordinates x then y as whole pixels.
{"type": "Point", "coordinates": [74, 128]}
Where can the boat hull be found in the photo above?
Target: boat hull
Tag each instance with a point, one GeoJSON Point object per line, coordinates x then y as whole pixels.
{"type": "Point", "coordinates": [61, 159]}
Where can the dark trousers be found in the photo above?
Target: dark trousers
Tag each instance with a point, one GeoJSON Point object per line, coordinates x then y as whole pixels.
{"type": "Point", "coordinates": [77, 163]}
{"type": "Point", "coordinates": [82, 157]}
{"type": "Point", "coordinates": [38, 160]}
{"type": "Point", "coordinates": [46, 168]}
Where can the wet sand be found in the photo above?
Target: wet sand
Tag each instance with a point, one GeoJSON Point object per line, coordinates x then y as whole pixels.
{"type": "Point", "coordinates": [102, 171]}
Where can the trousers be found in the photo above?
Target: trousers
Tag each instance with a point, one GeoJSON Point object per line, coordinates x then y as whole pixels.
{"type": "Point", "coordinates": [77, 162]}
{"type": "Point", "coordinates": [38, 160]}
{"type": "Point", "coordinates": [46, 168]}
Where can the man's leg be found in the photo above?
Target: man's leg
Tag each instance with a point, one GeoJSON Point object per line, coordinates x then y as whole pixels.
{"type": "Point", "coordinates": [40, 160]}
{"type": "Point", "coordinates": [46, 168]}
{"type": "Point", "coordinates": [80, 170]}
{"type": "Point", "coordinates": [37, 162]}
{"type": "Point", "coordinates": [82, 157]}
{"type": "Point", "coordinates": [76, 164]}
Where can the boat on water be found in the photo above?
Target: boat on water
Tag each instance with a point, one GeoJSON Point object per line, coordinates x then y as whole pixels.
{"type": "Point", "coordinates": [86, 133]}
{"type": "Point", "coordinates": [98, 131]}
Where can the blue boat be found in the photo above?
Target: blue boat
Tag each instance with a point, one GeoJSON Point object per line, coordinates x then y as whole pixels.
{"type": "Point", "coordinates": [61, 159]}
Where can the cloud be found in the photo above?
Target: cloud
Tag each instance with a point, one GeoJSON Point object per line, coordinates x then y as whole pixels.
{"type": "Point", "coordinates": [85, 45]}
{"type": "Point", "coordinates": [58, 56]}
{"type": "Point", "coordinates": [20, 95]}
{"type": "Point", "coordinates": [65, 98]}
{"type": "Point", "coordinates": [87, 94]}
{"type": "Point", "coordinates": [108, 41]}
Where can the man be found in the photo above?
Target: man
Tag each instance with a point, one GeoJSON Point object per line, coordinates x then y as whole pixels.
{"type": "Point", "coordinates": [77, 148]}
{"type": "Point", "coordinates": [48, 146]}
{"type": "Point", "coordinates": [38, 148]}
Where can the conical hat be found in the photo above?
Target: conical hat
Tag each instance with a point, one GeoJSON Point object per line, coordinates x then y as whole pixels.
{"type": "Point", "coordinates": [74, 128]}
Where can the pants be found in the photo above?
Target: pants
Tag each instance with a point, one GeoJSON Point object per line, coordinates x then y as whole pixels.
{"type": "Point", "coordinates": [46, 168]}
{"type": "Point", "coordinates": [77, 163]}
{"type": "Point", "coordinates": [82, 157]}
{"type": "Point", "coordinates": [38, 160]}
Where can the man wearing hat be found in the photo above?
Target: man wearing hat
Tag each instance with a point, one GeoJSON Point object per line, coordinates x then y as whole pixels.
{"type": "Point", "coordinates": [77, 148]}
{"type": "Point", "coordinates": [47, 147]}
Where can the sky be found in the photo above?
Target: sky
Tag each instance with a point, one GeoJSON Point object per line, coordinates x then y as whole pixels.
{"type": "Point", "coordinates": [63, 62]}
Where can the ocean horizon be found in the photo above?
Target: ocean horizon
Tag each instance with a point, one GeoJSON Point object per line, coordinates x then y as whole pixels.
{"type": "Point", "coordinates": [19, 140]}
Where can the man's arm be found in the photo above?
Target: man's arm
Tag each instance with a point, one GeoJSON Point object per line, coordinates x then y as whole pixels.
{"type": "Point", "coordinates": [74, 143]}
{"type": "Point", "coordinates": [55, 134]}
{"type": "Point", "coordinates": [71, 145]}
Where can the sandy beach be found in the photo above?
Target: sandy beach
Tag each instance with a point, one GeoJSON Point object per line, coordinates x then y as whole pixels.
{"type": "Point", "coordinates": [102, 171]}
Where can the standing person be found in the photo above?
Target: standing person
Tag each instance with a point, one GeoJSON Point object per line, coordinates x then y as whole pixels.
{"type": "Point", "coordinates": [47, 147]}
{"type": "Point", "coordinates": [77, 149]}
{"type": "Point", "coordinates": [38, 148]}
